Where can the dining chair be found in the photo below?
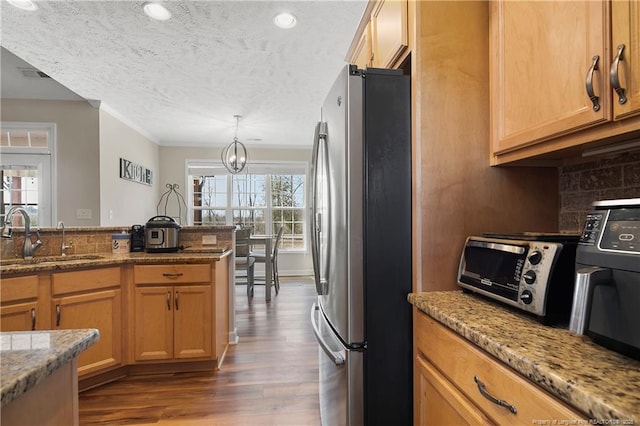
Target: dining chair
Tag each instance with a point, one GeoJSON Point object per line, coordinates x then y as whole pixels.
{"type": "Point", "coordinates": [244, 261]}
{"type": "Point", "coordinates": [273, 258]}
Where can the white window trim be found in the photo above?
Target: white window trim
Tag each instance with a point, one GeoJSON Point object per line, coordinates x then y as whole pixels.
{"type": "Point", "coordinates": [263, 167]}
{"type": "Point", "coordinates": [51, 150]}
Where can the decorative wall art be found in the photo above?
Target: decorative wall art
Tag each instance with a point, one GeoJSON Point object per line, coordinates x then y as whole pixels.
{"type": "Point", "coordinates": [135, 172]}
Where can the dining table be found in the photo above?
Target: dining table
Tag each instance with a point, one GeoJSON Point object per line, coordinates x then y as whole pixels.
{"type": "Point", "coordinates": [266, 241]}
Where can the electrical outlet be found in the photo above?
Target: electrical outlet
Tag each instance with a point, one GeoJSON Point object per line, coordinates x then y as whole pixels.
{"type": "Point", "coordinates": [209, 240]}
{"type": "Point", "coordinates": [83, 214]}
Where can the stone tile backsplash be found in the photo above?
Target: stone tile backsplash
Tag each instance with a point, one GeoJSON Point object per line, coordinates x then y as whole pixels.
{"type": "Point", "coordinates": [602, 179]}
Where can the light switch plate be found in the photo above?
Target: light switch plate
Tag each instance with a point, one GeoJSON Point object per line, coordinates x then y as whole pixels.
{"type": "Point", "coordinates": [209, 240]}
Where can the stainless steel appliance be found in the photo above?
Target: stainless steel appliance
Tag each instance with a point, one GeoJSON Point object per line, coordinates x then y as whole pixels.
{"type": "Point", "coordinates": [161, 235]}
{"type": "Point", "coordinates": [607, 289]}
{"type": "Point", "coordinates": [361, 243]}
{"type": "Point", "coordinates": [530, 271]}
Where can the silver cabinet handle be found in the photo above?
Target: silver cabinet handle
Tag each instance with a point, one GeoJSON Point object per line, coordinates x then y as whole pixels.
{"type": "Point", "coordinates": [336, 357]}
{"type": "Point", "coordinates": [33, 319]}
{"type": "Point", "coordinates": [176, 301]}
{"type": "Point", "coordinates": [168, 301]}
{"type": "Point", "coordinates": [595, 99]}
{"type": "Point", "coordinates": [492, 398]}
{"type": "Point", "coordinates": [614, 77]}
{"type": "Point", "coordinates": [58, 315]}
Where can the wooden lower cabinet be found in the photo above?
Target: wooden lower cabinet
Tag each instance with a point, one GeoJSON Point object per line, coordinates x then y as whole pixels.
{"type": "Point", "coordinates": [19, 303]}
{"type": "Point", "coordinates": [173, 312]}
{"type": "Point", "coordinates": [173, 322]}
{"type": "Point", "coordinates": [91, 299]}
{"type": "Point", "coordinates": [446, 392]}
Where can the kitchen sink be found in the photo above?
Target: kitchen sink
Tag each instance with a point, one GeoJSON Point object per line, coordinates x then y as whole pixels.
{"type": "Point", "coordinates": [51, 259]}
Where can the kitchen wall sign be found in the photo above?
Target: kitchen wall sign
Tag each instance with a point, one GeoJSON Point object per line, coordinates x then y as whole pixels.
{"type": "Point", "coordinates": [135, 172]}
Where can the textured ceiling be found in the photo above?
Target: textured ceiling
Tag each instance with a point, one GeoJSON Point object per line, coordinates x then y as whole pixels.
{"type": "Point", "coordinates": [182, 81]}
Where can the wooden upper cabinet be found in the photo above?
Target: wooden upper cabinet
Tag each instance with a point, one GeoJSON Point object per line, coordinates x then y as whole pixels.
{"type": "Point", "coordinates": [390, 34]}
{"type": "Point", "coordinates": [362, 55]}
{"type": "Point", "coordinates": [625, 30]}
{"type": "Point", "coordinates": [542, 56]}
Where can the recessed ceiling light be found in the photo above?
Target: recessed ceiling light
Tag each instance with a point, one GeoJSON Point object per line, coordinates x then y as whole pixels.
{"type": "Point", "coordinates": [156, 11]}
{"type": "Point", "coordinates": [24, 4]}
{"type": "Point", "coordinates": [285, 20]}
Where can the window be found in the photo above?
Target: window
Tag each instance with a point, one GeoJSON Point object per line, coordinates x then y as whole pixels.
{"type": "Point", "coordinates": [26, 170]}
{"type": "Point", "coordinates": [267, 196]}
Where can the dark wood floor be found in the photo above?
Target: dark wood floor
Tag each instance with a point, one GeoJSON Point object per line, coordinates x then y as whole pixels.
{"type": "Point", "coordinates": [269, 378]}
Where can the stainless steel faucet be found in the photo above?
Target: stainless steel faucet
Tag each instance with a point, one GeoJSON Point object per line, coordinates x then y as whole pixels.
{"type": "Point", "coordinates": [29, 246]}
{"type": "Point", "coordinates": [63, 246]}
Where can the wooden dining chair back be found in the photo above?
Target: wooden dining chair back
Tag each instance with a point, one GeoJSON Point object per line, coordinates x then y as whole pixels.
{"type": "Point", "coordinates": [273, 259]}
{"type": "Point", "coordinates": [244, 261]}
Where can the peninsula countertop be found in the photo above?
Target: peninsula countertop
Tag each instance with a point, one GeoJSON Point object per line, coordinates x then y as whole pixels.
{"type": "Point", "coordinates": [29, 357]}
{"type": "Point", "coordinates": [74, 261]}
{"type": "Point", "coordinates": [599, 382]}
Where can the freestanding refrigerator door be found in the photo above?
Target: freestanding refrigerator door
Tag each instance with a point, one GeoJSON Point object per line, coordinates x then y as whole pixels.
{"type": "Point", "coordinates": [340, 386]}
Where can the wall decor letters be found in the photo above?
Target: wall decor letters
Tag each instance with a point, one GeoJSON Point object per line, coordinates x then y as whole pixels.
{"type": "Point", "coordinates": [135, 172]}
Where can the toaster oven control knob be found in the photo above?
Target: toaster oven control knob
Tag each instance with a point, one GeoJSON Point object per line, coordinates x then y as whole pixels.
{"type": "Point", "coordinates": [529, 277]}
{"type": "Point", "coordinates": [526, 297]}
{"type": "Point", "coordinates": [535, 257]}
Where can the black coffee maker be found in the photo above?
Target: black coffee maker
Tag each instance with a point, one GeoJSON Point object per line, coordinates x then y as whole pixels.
{"type": "Point", "coordinates": [607, 286]}
{"type": "Point", "coordinates": [137, 238]}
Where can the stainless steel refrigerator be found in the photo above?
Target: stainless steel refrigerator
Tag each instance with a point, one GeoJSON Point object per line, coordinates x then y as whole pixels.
{"type": "Point", "coordinates": [360, 217]}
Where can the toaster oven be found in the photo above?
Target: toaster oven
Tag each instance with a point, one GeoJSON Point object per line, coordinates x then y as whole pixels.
{"type": "Point", "coordinates": [533, 272]}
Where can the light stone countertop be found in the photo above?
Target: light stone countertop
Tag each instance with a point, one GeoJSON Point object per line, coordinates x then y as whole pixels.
{"type": "Point", "coordinates": [10, 267]}
{"type": "Point", "coordinates": [601, 383]}
{"type": "Point", "coordinates": [27, 358]}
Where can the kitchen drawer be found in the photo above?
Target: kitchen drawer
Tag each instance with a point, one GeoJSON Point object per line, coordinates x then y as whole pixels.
{"type": "Point", "coordinates": [90, 279]}
{"type": "Point", "coordinates": [460, 361]}
{"type": "Point", "coordinates": [19, 288]}
{"type": "Point", "coordinates": [172, 274]}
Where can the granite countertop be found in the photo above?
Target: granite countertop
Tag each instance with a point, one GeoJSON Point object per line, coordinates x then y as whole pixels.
{"type": "Point", "coordinates": [193, 255]}
{"type": "Point", "coordinates": [599, 382]}
{"type": "Point", "coordinates": [27, 358]}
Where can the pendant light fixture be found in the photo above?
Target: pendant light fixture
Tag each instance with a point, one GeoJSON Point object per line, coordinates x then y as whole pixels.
{"type": "Point", "coordinates": [234, 156]}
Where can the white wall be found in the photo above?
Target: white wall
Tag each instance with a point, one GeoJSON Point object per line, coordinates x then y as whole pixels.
{"type": "Point", "coordinates": [172, 170]}
{"type": "Point", "coordinates": [77, 153]}
{"type": "Point", "coordinates": [123, 202]}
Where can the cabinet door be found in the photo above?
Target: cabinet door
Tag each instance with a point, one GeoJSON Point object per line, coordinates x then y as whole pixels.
{"type": "Point", "coordinates": [390, 32]}
{"type": "Point", "coordinates": [153, 323]}
{"type": "Point", "coordinates": [438, 402]}
{"type": "Point", "coordinates": [625, 29]}
{"type": "Point", "coordinates": [100, 310]}
{"type": "Point", "coordinates": [540, 55]}
{"type": "Point", "coordinates": [362, 54]}
{"type": "Point", "coordinates": [193, 321]}
{"type": "Point", "coordinates": [18, 316]}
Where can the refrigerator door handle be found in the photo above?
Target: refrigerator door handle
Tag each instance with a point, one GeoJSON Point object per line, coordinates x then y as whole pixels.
{"type": "Point", "coordinates": [319, 143]}
{"type": "Point", "coordinates": [336, 357]}
{"type": "Point", "coordinates": [313, 208]}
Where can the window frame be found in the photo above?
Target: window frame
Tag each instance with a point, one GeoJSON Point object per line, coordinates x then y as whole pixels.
{"type": "Point", "coordinates": [266, 168]}
{"type": "Point", "coordinates": [44, 159]}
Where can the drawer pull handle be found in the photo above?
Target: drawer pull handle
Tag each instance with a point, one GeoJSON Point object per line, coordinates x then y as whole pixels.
{"type": "Point", "coordinates": [492, 398]}
{"type": "Point", "coordinates": [594, 98]}
{"type": "Point", "coordinates": [615, 80]}
{"type": "Point", "coordinates": [179, 274]}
